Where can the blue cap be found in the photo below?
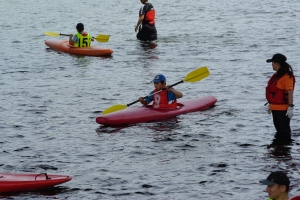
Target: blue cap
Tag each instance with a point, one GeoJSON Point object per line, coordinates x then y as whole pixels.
{"type": "Point", "coordinates": [158, 78]}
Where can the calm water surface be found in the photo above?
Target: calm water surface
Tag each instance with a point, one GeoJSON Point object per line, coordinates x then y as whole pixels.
{"type": "Point", "coordinates": [49, 100]}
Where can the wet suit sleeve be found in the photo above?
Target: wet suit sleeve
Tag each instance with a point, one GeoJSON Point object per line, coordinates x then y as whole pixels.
{"type": "Point", "coordinates": [143, 10]}
{"type": "Point", "coordinates": [149, 99]}
{"type": "Point", "coordinates": [75, 39]}
{"type": "Point", "coordinates": [171, 96]}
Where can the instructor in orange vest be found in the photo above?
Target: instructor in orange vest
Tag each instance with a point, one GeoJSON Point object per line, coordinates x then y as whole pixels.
{"type": "Point", "coordinates": [280, 96]}
{"type": "Point", "coordinates": [146, 23]}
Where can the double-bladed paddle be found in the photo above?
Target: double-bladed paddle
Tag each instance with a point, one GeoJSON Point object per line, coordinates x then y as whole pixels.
{"type": "Point", "coordinates": [194, 76]}
{"type": "Point", "coordinates": [99, 38]}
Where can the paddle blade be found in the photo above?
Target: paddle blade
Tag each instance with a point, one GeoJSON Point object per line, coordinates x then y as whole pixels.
{"type": "Point", "coordinates": [114, 108]}
{"type": "Point", "coordinates": [52, 34]}
{"type": "Point", "coordinates": [197, 75]}
{"type": "Point", "coordinates": [102, 38]}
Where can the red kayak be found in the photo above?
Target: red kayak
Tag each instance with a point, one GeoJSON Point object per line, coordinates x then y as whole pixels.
{"type": "Point", "coordinates": [63, 45]}
{"type": "Point", "coordinates": [133, 115]}
{"type": "Point", "coordinates": [16, 182]}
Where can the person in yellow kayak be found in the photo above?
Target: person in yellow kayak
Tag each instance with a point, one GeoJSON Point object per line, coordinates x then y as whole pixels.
{"type": "Point", "coordinates": [81, 38]}
{"type": "Point", "coordinates": [278, 185]}
{"type": "Point", "coordinates": [167, 98]}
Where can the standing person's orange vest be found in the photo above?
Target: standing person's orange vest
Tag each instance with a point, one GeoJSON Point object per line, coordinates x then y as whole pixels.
{"type": "Point", "coordinates": [274, 95]}
{"type": "Point", "coordinates": [150, 17]}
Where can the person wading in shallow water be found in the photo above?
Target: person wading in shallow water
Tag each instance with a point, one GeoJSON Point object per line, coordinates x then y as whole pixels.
{"type": "Point", "coordinates": [278, 185]}
{"type": "Point", "coordinates": [279, 94]}
{"type": "Point", "coordinates": [147, 30]}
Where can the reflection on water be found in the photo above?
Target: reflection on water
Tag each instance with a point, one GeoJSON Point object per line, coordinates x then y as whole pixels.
{"type": "Point", "coordinates": [166, 125]}
{"type": "Point", "coordinates": [42, 194]}
{"type": "Point", "coordinates": [148, 45]}
{"type": "Point", "coordinates": [280, 152]}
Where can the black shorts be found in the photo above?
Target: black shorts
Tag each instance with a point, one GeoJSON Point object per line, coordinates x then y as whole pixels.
{"type": "Point", "coordinates": [147, 33]}
{"type": "Point", "coordinates": [282, 126]}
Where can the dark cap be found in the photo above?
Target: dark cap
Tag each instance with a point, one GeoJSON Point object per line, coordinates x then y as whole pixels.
{"type": "Point", "coordinates": [158, 78]}
{"type": "Point", "coordinates": [278, 57]}
{"type": "Point", "coordinates": [276, 178]}
{"type": "Point", "coordinates": [80, 26]}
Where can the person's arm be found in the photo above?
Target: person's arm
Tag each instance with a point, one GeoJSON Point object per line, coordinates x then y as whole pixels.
{"type": "Point", "coordinates": [73, 39]}
{"type": "Point", "coordinates": [143, 101]}
{"type": "Point", "coordinates": [147, 100]}
{"type": "Point", "coordinates": [290, 110]}
{"type": "Point", "coordinates": [291, 96]}
{"type": "Point", "coordinates": [141, 18]}
{"type": "Point", "coordinates": [71, 42]}
{"type": "Point", "coordinates": [175, 92]}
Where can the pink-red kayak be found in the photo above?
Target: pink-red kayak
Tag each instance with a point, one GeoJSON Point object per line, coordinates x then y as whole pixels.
{"type": "Point", "coordinates": [133, 115]}
{"type": "Point", "coordinates": [63, 45]}
{"type": "Point", "coordinates": [16, 182]}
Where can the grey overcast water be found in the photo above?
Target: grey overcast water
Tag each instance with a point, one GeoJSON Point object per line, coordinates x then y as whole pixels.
{"type": "Point", "coordinates": [49, 100]}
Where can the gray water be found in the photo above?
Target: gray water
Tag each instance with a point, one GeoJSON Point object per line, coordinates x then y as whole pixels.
{"type": "Point", "coordinates": [49, 100]}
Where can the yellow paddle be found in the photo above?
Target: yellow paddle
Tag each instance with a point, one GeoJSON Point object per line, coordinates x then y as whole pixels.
{"type": "Point", "coordinates": [194, 76]}
{"type": "Point", "coordinates": [99, 38]}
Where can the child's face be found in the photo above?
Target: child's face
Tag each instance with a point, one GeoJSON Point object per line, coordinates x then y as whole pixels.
{"type": "Point", "coordinates": [159, 85]}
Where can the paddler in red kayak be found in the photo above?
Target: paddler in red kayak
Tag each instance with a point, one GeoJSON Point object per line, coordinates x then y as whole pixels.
{"type": "Point", "coordinates": [167, 98]}
{"type": "Point", "coordinates": [146, 23]}
{"type": "Point", "coordinates": [81, 38]}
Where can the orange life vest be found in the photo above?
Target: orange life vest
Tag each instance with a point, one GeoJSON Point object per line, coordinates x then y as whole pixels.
{"type": "Point", "coordinates": [160, 100]}
{"type": "Point", "coordinates": [274, 95]}
{"type": "Point", "coordinates": [150, 17]}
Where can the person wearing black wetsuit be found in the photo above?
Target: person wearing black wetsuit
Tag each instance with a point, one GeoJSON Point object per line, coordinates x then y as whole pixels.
{"type": "Point", "coordinates": [146, 23]}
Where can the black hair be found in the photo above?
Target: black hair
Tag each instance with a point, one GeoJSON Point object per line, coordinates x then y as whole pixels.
{"type": "Point", "coordinates": [80, 27]}
{"type": "Point", "coordinates": [285, 68]}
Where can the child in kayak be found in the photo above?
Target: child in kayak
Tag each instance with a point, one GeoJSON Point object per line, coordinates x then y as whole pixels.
{"type": "Point", "coordinates": [167, 98]}
{"type": "Point", "coordinates": [81, 38]}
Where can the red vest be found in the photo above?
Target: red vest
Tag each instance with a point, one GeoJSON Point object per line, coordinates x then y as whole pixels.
{"type": "Point", "coordinates": [160, 100]}
{"type": "Point", "coordinates": [275, 95]}
{"type": "Point", "coordinates": [150, 17]}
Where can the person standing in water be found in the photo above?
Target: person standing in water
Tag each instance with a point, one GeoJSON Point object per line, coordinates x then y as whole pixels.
{"type": "Point", "coordinates": [146, 23]}
{"type": "Point", "coordinates": [279, 94]}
